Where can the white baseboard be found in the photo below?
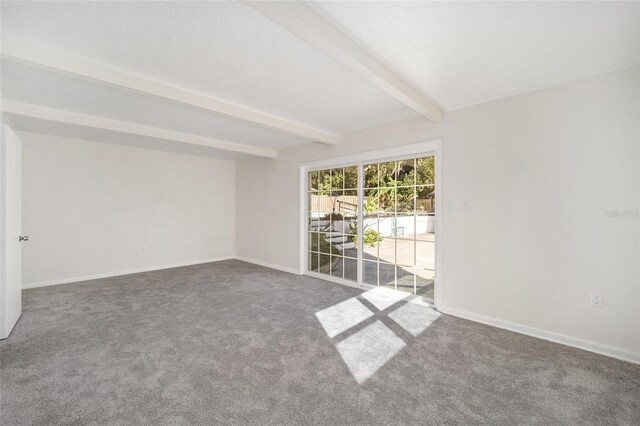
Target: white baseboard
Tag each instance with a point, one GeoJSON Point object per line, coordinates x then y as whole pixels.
{"type": "Point", "coordinates": [123, 272]}
{"type": "Point", "coordinates": [551, 336]}
{"type": "Point", "coordinates": [268, 265]}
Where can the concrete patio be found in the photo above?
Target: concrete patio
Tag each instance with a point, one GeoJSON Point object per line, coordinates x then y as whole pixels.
{"type": "Point", "coordinates": [389, 252]}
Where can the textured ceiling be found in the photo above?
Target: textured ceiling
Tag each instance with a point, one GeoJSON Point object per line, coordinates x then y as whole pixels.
{"type": "Point", "coordinates": [37, 86]}
{"type": "Point", "coordinates": [463, 53]}
{"type": "Point", "coordinates": [458, 53]}
{"type": "Point", "coordinates": [222, 49]}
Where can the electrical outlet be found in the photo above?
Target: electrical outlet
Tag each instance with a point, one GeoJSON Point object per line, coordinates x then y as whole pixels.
{"type": "Point", "coordinates": [145, 249]}
{"type": "Point", "coordinates": [597, 300]}
{"type": "Point", "coordinates": [466, 207]}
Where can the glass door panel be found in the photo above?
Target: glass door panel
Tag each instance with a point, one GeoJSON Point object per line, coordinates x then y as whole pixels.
{"type": "Point", "coordinates": [398, 224]}
{"type": "Point", "coordinates": [399, 215]}
{"type": "Point", "coordinates": [332, 228]}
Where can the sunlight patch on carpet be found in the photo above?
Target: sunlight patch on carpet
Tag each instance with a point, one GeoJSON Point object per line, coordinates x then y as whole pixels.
{"type": "Point", "coordinates": [414, 317]}
{"type": "Point", "coordinates": [369, 349]}
{"type": "Point", "coordinates": [343, 316]}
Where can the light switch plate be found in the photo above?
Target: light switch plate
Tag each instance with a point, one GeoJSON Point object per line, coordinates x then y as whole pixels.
{"type": "Point", "coordinates": [466, 207]}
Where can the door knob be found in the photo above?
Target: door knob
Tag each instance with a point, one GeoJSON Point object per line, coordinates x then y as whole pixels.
{"type": "Point", "coordinates": [23, 238]}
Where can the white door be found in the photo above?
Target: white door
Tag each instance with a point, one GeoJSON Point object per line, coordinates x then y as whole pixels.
{"type": "Point", "coordinates": [390, 242]}
{"type": "Point", "coordinates": [10, 231]}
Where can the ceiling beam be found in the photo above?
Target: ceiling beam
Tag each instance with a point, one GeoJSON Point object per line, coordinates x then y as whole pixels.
{"type": "Point", "coordinates": [21, 51]}
{"type": "Point", "coordinates": [68, 117]}
{"type": "Point", "coordinates": [315, 29]}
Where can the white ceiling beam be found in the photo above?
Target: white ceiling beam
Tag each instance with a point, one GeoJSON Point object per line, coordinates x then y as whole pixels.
{"type": "Point", "coordinates": [315, 29]}
{"type": "Point", "coordinates": [68, 117]}
{"type": "Point", "coordinates": [21, 51]}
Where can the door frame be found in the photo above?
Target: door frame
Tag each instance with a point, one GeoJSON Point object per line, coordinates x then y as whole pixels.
{"type": "Point", "coordinates": [422, 149]}
{"type": "Point", "coordinates": [9, 313]}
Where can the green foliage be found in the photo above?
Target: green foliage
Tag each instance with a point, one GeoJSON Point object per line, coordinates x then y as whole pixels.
{"type": "Point", "coordinates": [337, 179]}
{"type": "Point", "coordinates": [325, 248]}
{"type": "Point", "coordinates": [425, 171]}
{"type": "Point", "coordinates": [371, 237]}
{"type": "Point", "coordinates": [371, 176]}
{"type": "Point", "coordinates": [313, 181]}
{"type": "Point", "coordinates": [389, 186]}
{"type": "Point", "coordinates": [351, 177]}
{"type": "Point", "coordinates": [387, 197]}
{"type": "Point", "coordinates": [424, 198]}
{"type": "Point", "coordinates": [371, 205]}
{"type": "Point", "coordinates": [420, 171]}
{"type": "Point", "coordinates": [333, 217]}
{"type": "Point", "coordinates": [324, 180]}
{"type": "Point", "coordinates": [334, 180]}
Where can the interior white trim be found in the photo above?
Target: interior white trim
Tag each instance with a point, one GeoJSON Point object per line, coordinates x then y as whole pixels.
{"type": "Point", "coordinates": [494, 322]}
{"type": "Point", "coordinates": [315, 29]}
{"type": "Point", "coordinates": [122, 272]}
{"type": "Point", "coordinates": [153, 268]}
{"type": "Point", "coordinates": [268, 265]}
{"type": "Point", "coordinates": [371, 156]}
{"type": "Point", "coordinates": [337, 280]}
{"type": "Point", "coordinates": [433, 147]}
{"type": "Point", "coordinates": [21, 51]}
{"type": "Point", "coordinates": [68, 117]}
{"type": "Point", "coordinates": [551, 336]}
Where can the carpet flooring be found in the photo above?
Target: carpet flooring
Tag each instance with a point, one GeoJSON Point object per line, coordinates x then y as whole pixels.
{"type": "Point", "coordinates": [235, 343]}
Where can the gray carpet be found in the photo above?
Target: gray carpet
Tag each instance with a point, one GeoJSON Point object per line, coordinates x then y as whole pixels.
{"type": "Point", "coordinates": [234, 343]}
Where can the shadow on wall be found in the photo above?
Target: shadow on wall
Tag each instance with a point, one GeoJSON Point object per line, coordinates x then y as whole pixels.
{"type": "Point", "coordinates": [368, 349]}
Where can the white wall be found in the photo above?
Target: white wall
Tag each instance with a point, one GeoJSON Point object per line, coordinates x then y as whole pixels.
{"type": "Point", "coordinates": [98, 209]}
{"type": "Point", "coordinates": [539, 170]}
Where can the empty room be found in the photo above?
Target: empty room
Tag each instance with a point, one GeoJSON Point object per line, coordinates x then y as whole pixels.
{"type": "Point", "coordinates": [320, 213]}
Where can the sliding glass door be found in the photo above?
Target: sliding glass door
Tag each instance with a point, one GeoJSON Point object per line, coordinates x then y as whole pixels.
{"type": "Point", "coordinates": [394, 204]}
{"type": "Point", "coordinates": [332, 222]}
{"type": "Point", "coordinates": [399, 225]}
